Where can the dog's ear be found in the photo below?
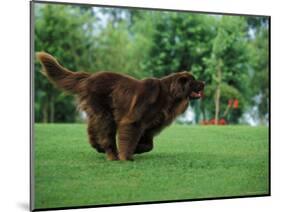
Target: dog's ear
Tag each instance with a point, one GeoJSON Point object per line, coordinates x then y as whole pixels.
{"type": "Point", "coordinates": [179, 86]}
{"type": "Point", "coordinates": [183, 80]}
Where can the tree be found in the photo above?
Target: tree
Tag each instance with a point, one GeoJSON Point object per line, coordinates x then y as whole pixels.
{"type": "Point", "coordinates": [180, 42]}
{"type": "Point", "coordinates": [66, 32]}
{"type": "Point", "coordinates": [229, 59]}
{"type": "Point", "coordinates": [124, 45]}
{"type": "Point", "coordinates": [259, 44]}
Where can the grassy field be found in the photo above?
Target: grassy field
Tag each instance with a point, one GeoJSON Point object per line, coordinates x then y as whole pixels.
{"type": "Point", "coordinates": [187, 162]}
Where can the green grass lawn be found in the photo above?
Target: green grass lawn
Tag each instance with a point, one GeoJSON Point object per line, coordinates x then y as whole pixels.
{"type": "Point", "coordinates": [187, 162]}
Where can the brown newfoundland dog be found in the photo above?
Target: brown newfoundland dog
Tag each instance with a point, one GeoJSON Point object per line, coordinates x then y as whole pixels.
{"type": "Point", "coordinates": [135, 110]}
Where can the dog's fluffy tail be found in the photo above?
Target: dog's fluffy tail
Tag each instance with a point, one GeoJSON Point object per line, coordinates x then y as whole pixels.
{"type": "Point", "coordinates": [61, 77]}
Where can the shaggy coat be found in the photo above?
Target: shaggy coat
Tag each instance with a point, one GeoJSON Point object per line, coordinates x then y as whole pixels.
{"type": "Point", "coordinates": [117, 104]}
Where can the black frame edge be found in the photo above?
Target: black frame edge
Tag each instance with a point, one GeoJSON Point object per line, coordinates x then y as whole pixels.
{"type": "Point", "coordinates": [31, 89]}
{"type": "Point", "coordinates": [269, 105]}
{"type": "Point", "coordinates": [149, 203]}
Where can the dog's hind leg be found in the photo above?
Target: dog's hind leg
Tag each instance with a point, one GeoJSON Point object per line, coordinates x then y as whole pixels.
{"type": "Point", "coordinates": [93, 136]}
{"type": "Point", "coordinates": [102, 131]}
{"type": "Point", "coordinates": [145, 144]}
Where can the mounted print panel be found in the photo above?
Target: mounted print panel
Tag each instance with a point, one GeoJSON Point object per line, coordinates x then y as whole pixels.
{"type": "Point", "coordinates": [139, 105]}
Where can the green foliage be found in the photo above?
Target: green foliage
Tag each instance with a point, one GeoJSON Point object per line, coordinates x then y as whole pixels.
{"type": "Point", "coordinates": [188, 162]}
{"type": "Point", "coordinates": [124, 50]}
{"type": "Point", "coordinates": [180, 43]}
{"type": "Point", "coordinates": [229, 56]}
{"type": "Point", "coordinates": [111, 55]}
{"type": "Point", "coordinates": [260, 71]}
{"type": "Point", "coordinates": [66, 33]}
{"type": "Point", "coordinates": [230, 46]}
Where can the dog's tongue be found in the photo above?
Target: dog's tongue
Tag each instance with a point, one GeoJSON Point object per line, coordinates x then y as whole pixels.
{"type": "Point", "coordinates": [201, 93]}
{"type": "Point", "coordinates": [196, 95]}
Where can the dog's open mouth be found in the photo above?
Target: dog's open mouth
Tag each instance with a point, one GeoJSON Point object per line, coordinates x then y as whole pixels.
{"type": "Point", "coordinates": [196, 95]}
{"type": "Point", "coordinates": [197, 88]}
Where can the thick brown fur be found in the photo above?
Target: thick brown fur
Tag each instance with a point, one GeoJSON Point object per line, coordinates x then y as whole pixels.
{"type": "Point", "coordinates": [116, 104]}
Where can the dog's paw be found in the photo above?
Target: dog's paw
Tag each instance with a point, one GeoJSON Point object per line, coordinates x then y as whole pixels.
{"type": "Point", "coordinates": [125, 157]}
{"type": "Point", "coordinates": [112, 157]}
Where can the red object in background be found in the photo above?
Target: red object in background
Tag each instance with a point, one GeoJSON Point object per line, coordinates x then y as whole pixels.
{"type": "Point", "coordinates": [204, 122]}
{"type": "Point", "coordinates": [235, 103]}
{"type": "Point", "coordinates": [212, 121]}
{"type": "Point", "coordinates": [222, 122]}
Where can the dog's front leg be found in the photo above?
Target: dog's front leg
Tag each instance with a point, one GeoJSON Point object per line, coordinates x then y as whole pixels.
{"type": "Point", "coordinates": [128, 138]}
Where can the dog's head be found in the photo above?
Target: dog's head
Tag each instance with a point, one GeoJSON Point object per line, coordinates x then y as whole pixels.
{"type": "Point", "coordinates": [184, 85]}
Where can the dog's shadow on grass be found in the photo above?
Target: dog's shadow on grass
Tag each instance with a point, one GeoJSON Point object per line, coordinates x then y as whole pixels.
{"type": "Point", "coordinates": [161, 156]}
{"type": "Point", "coordinates": [191, 160]}
{"type": "Point", "coordinates": [184, 159]}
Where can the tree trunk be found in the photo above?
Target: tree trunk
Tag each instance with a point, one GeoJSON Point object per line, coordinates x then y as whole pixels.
{"type": "Point", "coordinates": [218, 93]}
{"type": "Point", "coordinates": [217, 104]}
{"type": "Point", "coordinates": [45, 112]}
{"type": "Point", "coordinates": [52, 109]}
{"type": "Point", "coordinates": [203, 110]}
{"type": "Point", "coordinates": [197, 111]}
